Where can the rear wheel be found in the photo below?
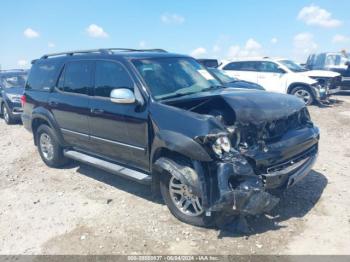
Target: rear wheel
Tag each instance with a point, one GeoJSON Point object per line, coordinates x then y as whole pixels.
{"type": "Point", "coordinates": [7, 114]}
{"type": "Point", "coordinates": [304, 94]}
{"type": "Point", "coordinates": [49, 149]}
{"type": "Point", "coordinates": [182, 203]}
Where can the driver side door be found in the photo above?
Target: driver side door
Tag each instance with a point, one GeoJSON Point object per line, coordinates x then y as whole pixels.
{"type": "Point", "coordinates": [117, 131]}
{"type": "Point", "coordinates": [271, 77]}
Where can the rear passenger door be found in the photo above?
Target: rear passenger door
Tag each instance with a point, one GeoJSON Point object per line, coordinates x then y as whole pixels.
{"type": "Point", "coordinates": [70, 101]}
{"type": "Point", "coordinates": [243, 70]}
{"type": "Point", "coordinates": [117, 131]}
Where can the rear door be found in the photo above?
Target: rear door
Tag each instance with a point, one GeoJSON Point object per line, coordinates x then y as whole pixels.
{"type": "Point", "coordinates": [271, 77]}
{"type": "Point", "coordinates": [70, 101]}
{"type": "Point", "coordinates": [117, 131]}
{"type": "Point", "coordinates": [243, 70]}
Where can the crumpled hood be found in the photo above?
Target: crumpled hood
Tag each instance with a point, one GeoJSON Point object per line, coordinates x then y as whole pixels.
{"type": "Point", "coordinates": [319, 73]}
{"type": "Point", "coordinates": [258, 107]}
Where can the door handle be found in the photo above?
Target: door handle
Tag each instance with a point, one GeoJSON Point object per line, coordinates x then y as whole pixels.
{"type": "Point", "coordinates": [53, 103]}
{"type": "Point", "coordinates": [97, 111]}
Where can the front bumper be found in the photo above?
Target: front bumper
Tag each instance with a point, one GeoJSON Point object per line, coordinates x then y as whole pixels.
{"type": "Point", "coordinates": [243, 187]}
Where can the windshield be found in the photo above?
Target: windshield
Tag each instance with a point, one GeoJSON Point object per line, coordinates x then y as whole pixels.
{"type": "Point", "coordinates": [292, 66]}
{"type": "Point", "coordinates": [13, 81]}
{"type": "Point", "coordinates": [222, 76]}
{"type": "Point", "coordinates": [172, 77]}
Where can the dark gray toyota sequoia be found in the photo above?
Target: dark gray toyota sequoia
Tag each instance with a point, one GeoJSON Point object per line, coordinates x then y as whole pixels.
{"type": "Point", "coordinates": [163, 119]}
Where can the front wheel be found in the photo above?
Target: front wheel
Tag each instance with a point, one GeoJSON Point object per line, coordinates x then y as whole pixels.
{"type": "Point", "coordinates": [182, 203]}
{"type": "Point", "coordinates": [304, 94]}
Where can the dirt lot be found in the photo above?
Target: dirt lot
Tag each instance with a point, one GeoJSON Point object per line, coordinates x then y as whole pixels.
{"type": "Point", "coordinates": [82, 210]}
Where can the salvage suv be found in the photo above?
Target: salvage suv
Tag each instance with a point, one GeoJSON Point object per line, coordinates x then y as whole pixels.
{"type": "Point", "coordinates": [284, 76]}
{"type": "Point", "coordinates": [162, 119]}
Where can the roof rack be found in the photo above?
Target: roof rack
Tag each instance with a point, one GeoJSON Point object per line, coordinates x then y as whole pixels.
{"type": "Point", "coordinates": [102, 51]}
{"type": "Point", "coordinates": [12, 70]}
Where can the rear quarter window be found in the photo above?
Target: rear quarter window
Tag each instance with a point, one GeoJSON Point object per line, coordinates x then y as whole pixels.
{"type": "Point", "coordinates": [43, 75]}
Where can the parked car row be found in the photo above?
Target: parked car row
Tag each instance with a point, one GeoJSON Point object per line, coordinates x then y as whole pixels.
{"type": "Point", "coordinates": [283, 76]}
{"type": "Point", "coordinates": [210, 141]}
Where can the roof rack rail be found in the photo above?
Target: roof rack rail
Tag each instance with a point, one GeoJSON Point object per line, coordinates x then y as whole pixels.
{"type": "Point", "coordinates": [102, 51]}
{"type": "Point", "coordinates": [12, 70]}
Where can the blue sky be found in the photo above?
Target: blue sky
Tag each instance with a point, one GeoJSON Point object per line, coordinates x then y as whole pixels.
{"type": "Point", "coordinates": [222, 29]}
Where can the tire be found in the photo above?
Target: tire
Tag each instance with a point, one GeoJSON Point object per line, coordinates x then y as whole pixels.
{"type": "Point", "coordinates": [49, 149]}
{"type": "Point", "coordinates": [303, 93]}
{"type": "Point", "coordinates": [6, 114]}
{"type": "Point", "coordinates": [196, 220]}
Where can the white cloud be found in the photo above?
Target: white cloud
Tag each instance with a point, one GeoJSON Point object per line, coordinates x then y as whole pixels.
{"type": "Point", "coordinates": [22, 63]}
{"type": "Point", "coordinates": [96, 31]}
{"type": "Point", "coordinates": [304, 44]}
{"type": "Point", "coordinates": [251, 48]}
{"type": "Point", "coordinates": [172, 18]}
{"type": "Point", "coordinates": [142, 44]}
{"type": "Point", "coordinates": [251, 44]}
{"type": "Point", "coordinates": [216, 48]}
{"type": "Point", "coordinates": [314, 15]}
{"type": "Point", "coordinates": [200, 51]}
{"type": "Point", "coordinates": [340, 39]}
{"type": "Point", "coordinates": [51, 45]}
{"type": "Point", "coordinates": [274, 40]}
{"type": "Point", "coordinates": [30, 33]}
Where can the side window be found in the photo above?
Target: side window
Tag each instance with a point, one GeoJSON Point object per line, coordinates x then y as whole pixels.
{"type": "Point", "coordinates": [268, 67]}
{"type": "Point", "coordinates": [233, 66]}
{"type": "Point", "coordinates": [249, 66]}
{"type": "Point", "coordinates": [77, 77]}
{"type": "Point", "coordinates": [42, 76]}
{"type": "Point", "coordinates": [109, 76]}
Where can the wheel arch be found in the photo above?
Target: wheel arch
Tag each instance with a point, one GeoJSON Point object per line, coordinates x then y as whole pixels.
{"type": "Point", "coordinates": [297, 84]}
{"type": "Point", "coordinates": [42, 116]}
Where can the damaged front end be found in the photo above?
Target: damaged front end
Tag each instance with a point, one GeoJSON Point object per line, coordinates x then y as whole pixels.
{"type": "Point", "coordinates": [251, 156]}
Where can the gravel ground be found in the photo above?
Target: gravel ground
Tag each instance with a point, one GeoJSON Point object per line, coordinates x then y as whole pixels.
{"type": "Point", "coordinates": [83, 210]}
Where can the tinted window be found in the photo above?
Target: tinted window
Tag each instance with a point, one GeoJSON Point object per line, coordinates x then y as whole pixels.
{"type": "Point", "coordinates": [77, 77]}
{"type": "Point", "coordinates": [249, 66]}
{"type": "Point", "coordinates": [13, 80]}
{"type": "Point", "coordinates": [110, 75]}
{"type": "Point", "coordinates": [43, 75]}
{"type": "Point", "coordinates": [233, 66]}
{"type": "Point", "coordinates": [242, 66]}
{"type": "Point", "coordinates": [268, 67]}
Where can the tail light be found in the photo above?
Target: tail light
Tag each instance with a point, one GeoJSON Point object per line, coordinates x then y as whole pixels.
{"type": "Point", "coordinates": [23, 100]}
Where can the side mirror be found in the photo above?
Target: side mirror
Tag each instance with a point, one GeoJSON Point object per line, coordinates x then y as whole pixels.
{"type": "Point", "coordinates": [347, 63]}
{"type": "Point", "coordinates": [122, 96]}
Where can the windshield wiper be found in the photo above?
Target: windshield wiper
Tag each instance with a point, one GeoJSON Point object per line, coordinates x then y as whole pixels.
{"type": "Point", "coordinates": [212, 88]}
{"type": "Point", "coordinates": [178, 94]}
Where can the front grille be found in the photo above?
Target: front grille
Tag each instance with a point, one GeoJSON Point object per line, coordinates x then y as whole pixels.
{"type": "Point", "coordinates": [276, 129]}
{"type": "Point", "coordinates": [275, 168]}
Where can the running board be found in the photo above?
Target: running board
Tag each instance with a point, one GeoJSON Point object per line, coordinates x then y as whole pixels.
{"type": "Point", "coordinates": [109, 167]}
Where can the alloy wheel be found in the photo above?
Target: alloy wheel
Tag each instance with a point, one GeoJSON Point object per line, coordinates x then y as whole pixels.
{"type": "Point", "coordinates": [304, 95]}
{"type": "Point", "coordinates": [46, 146]}
{"type": "Point", "coordinates": [188, 203]}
